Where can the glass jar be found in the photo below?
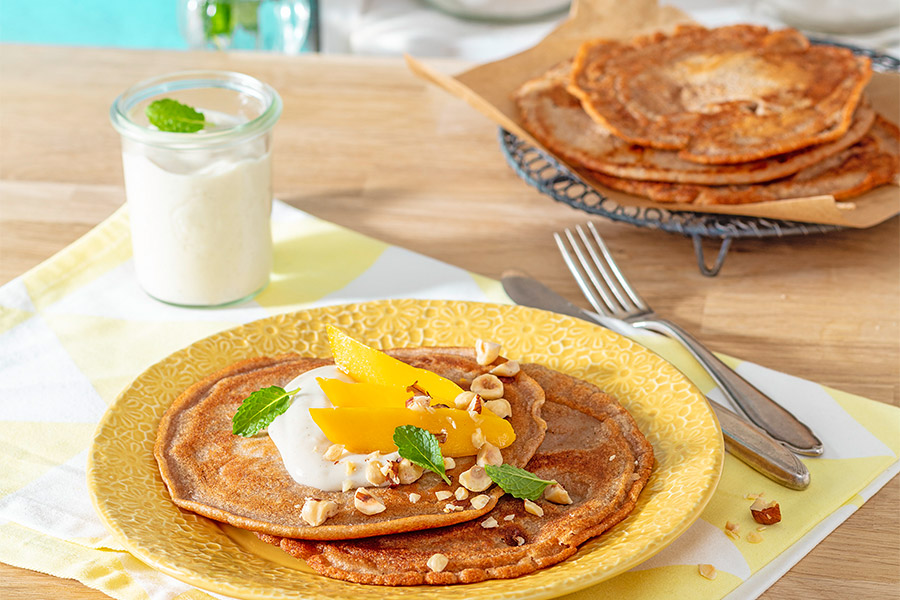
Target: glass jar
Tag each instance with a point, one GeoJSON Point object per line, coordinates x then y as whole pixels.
{"type": "Point", "coordinates": [200, 203]}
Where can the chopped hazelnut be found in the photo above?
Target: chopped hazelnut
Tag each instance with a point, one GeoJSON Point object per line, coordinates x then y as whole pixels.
{"type": "Point", "coordinates": [509, 517]}
{"type": "Point", "coordinates": [488, 386]}
{"type": "Point", "coordinates": [508, 369]}
{"type": "Point", "coordinates": [488, 454]}
{"type": "Point", "coordinates": [334, 452]}
{"type": "Point", "coordinates": [437, 562]}
{"type": "Point", "coordinates": [461, 493]}
{"type": "Point", "coordinates": [442, 494]}
{"type": "Point", "coordinates": [414, 497]}
{"type": "Point", "coordinates": [449, 463]}
{"type": "Point", "coordinates": [475, 479]}
{"type": "Point", "coordinates": [731, 530]}
{"type": "Point", "coordinates": [419, 403]}
{"type": "Point", "coordinates": [486, 352]}
{"type": "Point", "coordinates": [499, 407]}
{"type": "Point", "coordinates": [707, 571]}
{"type": "Point", "coordinates": [391, 472]}
{"type": "Point", "coordinates": [315, 511]}
{"type": "Point", "coordinates": [519, 540]}
{"type": "Point", "coordinates": [754, 538]}
{"type": "Point", "coordinates": [366, 503]}
{"type": "Point", "coordinates": [462, 400]}
{"type": "Point", "coordinates": [374, 475]}
{"type": "Point", "coordinates": [350, 467]}
{"type": "Point", "coordinates": [612, 457]}
{"type": "Point", "coordinates": [409, 472]}
{"type": "Point", "coordinates": [490, 523]}
{"type": "Point", "coordinates": [765, 513]}
{"type": "Point", "coordinates": [557, 494]}
{"type": "Point", "coordinates": [448, 508]}
{"type": "Point", "coordinates": [531, 507]}
{"type": "Point", "coordinates": [347, 485]}
{"type": "Point", "coordinates": [478, 438]}
{"type": "Point", "coordinates": [475, 405]}
{"type": "Point", "coordinates": [480, 501]}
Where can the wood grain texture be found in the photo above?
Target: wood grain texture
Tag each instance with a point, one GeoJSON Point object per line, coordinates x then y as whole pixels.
{"type": "Point", "coordinates": [364, 144]}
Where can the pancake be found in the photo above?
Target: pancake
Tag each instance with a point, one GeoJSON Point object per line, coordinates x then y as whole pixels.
{"type": "Point", "coordinates": [243, 482]}
{"type": "Point", "coordinates": [721, 96]}
{"type": "Point", "coordinates": [558, 121]}
{"type": "Point", "coordinates": [871, 162]}
{"type": "Point", "coordinates": [592, 447]}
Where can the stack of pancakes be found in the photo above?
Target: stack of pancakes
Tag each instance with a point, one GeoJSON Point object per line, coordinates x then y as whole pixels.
{"type": "Point", "coordinates": [730, 115]}
{"type": "Point", "coordinates": [567, 430]}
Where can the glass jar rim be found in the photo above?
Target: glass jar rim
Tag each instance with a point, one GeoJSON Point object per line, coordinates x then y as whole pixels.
{"type": "Point", "coordinates": [195, 79]}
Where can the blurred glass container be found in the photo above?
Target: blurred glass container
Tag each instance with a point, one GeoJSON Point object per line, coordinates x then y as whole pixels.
{"type": "Point", "coordinates": [285, 26]}
{"type": "Point", "coordinates": [501, 11]}
{"type": "Point", "coordinates": [200, 203]}
{"type": "Point", "coordinates": [836, 16]}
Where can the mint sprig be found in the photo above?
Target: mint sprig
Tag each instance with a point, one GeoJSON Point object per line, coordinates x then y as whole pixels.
{"type": "Point", "coordinates": [420, 447]}
{"type": "Point", "coordinates": [171, 115]}
{"type": "Point", "coordinates": [259, 409]}
{"type": "Point", "coordinates": [517, 482]}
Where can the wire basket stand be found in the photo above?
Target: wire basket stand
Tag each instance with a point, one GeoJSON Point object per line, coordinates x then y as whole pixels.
{"type": "Point", "coordinates": [555, 180]}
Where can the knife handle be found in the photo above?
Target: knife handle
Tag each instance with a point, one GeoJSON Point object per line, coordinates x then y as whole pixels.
{"type": "Point", "coordinates": [761, 410]}
{"type": "Point", "coordinates": [755, 447]}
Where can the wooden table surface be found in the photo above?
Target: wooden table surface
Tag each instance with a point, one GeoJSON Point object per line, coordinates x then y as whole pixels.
{"type": "Point", "coordinates": [364, 144]}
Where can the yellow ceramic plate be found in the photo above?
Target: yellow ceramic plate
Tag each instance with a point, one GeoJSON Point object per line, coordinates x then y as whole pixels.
{"type": "Point", "coordinates": [133, 502]}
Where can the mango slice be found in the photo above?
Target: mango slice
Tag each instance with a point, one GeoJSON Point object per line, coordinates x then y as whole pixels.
{"type": "Point", "coordinates": [362, 395]}
{"type": "Point", "coordinates": [364, 430]}
{"type": "Point", "coordinates": [367, 365]}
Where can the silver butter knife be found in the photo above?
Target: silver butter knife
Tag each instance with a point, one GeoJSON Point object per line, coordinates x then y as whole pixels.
{"type": "Point", "coordinates": [743, 440]}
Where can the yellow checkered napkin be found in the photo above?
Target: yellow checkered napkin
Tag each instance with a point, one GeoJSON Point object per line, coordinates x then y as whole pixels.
{"type": "Point", "coordinates": [76, 330]}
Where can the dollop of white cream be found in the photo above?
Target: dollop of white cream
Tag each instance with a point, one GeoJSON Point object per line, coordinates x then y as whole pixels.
{"type": "Point", "coordinates": [302, 444]}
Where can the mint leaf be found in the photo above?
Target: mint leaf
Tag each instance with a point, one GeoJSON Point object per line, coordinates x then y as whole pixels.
{"type": "Point", "coordinates": [517, 482]}
{"type": "Point", "coordinates": [259, 409]}
{"type": "Point", "coordinates": [420, 447]}
{"type": "Point", "coordinates": [172, 115]}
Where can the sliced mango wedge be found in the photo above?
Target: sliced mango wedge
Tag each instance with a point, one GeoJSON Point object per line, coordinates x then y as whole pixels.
{"type": "Point", "coordinates": [362, 395]}
{"type": "Point", "coordinates": [367, 365]}
{"type": "Point", "coordinates": [364, 430]}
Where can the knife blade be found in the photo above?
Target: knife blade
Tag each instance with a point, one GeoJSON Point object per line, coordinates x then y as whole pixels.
{"type": "Point", "coordinates": [743, 440]}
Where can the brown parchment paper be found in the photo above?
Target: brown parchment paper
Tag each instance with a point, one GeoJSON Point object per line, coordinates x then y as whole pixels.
{"type": "Point", "coordinates": [489, 89]}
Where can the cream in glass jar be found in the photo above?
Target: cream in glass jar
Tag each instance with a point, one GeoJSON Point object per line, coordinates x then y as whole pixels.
{"type": "Point", "coordinates": [199, 203]}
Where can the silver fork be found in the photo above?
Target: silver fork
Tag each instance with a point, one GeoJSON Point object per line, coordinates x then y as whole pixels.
{"type": "Point", "coordinates": [606, 288]}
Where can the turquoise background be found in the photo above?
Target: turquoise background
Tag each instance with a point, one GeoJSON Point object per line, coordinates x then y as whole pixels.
{"type": "Point", "coordinates": [118, 23]}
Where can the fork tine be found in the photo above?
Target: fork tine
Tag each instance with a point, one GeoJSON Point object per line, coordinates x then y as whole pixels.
{"type": "Point", "coordinates": [602, 266]}
{"type": "Point", "coordinates": [600, 304]}
{"type": "Point", "coordinates": [590, 268]}
{"type": "Point", "coordinates": [620, 277]}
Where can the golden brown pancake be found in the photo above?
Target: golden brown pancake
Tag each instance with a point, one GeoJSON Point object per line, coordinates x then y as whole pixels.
{"type": "Point", "coordinates": [721, 96]}
{"type": "Point", "coordinates": [592, 447]}
{"type": "Point", "coordinates": [557, 120]}
{"type": "Point", "coordinates": [243, 482]}
{"type": "Point", "coordinates": [873, 161]}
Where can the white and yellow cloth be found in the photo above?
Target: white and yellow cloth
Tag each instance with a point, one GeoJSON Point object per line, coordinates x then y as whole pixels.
{"type": "Point", "coordinates": [75, 330]}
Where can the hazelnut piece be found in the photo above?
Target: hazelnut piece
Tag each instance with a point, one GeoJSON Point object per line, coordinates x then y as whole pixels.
{"type": "Point", "coordinates": [486, 352]}
{"type": "Point", "coordinates": [499, 407]}
{"type": "Point", "coordinates": [557, 494]}
{"type": "Point", "coordinates": [437, 562]}
{"type": "Point", "coordinates": [315, 511]}
{"type": "Point", "coordinates": [508, 369]}
{"type": "Point", "coordinates": [475, 479]}
{"type": "Point", "coordinates": [488, 386]}
{"type": "Point", "coordinates": [765, 513]}
{"type": "Point", "coordinates": [366, 503]}
{"type": "Point", "coordinates": [488, 454]}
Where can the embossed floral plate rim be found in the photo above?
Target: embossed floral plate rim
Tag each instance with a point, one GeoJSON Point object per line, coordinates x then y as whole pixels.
{"type": "Point", "coordinates": [132, 501]}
